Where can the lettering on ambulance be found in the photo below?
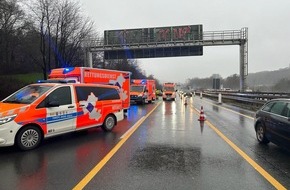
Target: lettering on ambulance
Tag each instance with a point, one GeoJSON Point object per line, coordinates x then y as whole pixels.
{"type": "Point", "coordinates": [120, 82]}
{"type": "Point", "coordinates": [100, 75]}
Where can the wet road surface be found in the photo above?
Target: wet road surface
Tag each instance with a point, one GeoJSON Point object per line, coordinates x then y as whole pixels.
{"type": "Point", "coordinates": [164, 149]}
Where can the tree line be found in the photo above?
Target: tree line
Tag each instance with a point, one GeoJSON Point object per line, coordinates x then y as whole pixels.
{"type": "Point", "coordinates": [232, 82]}
{"type": "Point", "coordinates": [270, 81]}
{"type": "Point", "coordinates": [39, 35]}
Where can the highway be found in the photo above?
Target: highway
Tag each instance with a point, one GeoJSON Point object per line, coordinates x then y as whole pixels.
{"type": "Point", "coordinates": [158, 146]}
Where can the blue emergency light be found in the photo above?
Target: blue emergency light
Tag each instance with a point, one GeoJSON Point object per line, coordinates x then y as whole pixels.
{"type": "Point", "coordinates": [67, 70]}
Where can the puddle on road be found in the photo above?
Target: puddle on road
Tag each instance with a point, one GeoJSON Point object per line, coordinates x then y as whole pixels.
{"type": "Point", "coordinates": [165, 158]}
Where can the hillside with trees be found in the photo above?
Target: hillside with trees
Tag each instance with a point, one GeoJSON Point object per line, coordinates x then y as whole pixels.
{"type": "Point", "coordinates": [278, 80]}
{"type": "Point", "coordinates": [270, 81]}
{"type": "Point", "coordinates": [39, 35]}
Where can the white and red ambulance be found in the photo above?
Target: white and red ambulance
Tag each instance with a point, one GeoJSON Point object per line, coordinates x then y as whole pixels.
{"type": "Point", "coordinates": [97, 76]}
{"type": "Point", "coordinates": [169, 91]}
{"type": "Point", "coordinates": [42, 110]}
{"type": "Point", "coordinates": [142, 91]}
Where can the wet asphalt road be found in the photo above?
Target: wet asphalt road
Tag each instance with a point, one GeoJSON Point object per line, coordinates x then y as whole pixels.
{"type": "Point", "coordinates": [168, 150]}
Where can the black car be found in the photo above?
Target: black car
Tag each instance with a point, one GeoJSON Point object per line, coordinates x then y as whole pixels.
{"type": "Point", "coordinates": [272, 123]}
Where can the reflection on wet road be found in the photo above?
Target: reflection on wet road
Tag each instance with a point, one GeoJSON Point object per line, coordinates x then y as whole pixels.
{"type": "Point", "coordinates": [170, 149]}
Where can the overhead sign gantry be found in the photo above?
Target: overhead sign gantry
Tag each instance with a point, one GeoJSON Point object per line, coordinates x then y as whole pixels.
{"type": "Point", "coordinates": [170, 41]}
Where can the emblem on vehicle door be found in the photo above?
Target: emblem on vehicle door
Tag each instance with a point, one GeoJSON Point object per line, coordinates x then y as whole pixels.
{"type": "Point", "coordinates": [89, 107]}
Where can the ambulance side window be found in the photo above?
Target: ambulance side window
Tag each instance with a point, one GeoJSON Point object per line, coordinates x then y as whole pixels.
{"type": "Point", "coordinates": [102, 93]}
{"type": "Point", "coordinates": [61, 95]}
{"type": "Point", "coordinates": [108, 94]}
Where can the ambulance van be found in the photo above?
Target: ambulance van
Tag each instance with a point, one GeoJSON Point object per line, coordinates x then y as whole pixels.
{"type": "Point", "coordinates": [97, 76]}
{"type": "Point", "coordinates": [42, 110]}
{"type": "Point", "coordinates": [142, 91]}
{"type": "Point", "coordinates": [169, 91]}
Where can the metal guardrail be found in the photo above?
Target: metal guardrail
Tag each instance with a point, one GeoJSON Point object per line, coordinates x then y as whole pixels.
{"type": "Point", "coordinates": [255, 99]}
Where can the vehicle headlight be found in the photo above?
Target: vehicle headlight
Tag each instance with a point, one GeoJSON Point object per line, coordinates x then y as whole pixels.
{"type": "Point", "coordinates": [7, 119]}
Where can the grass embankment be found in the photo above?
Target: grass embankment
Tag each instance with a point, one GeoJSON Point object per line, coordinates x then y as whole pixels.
{"type": "Point", "coordinates": [11, 83]}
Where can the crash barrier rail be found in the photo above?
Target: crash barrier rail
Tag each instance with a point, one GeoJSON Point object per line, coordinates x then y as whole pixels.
{"type": "Point", "coordinates": [253, 99]}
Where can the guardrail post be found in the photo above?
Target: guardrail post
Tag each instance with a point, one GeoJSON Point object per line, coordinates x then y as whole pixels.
{"type": "Point", "coordinates": [220, 98]}
{"type": "Point", "coordinates": [200, 95]}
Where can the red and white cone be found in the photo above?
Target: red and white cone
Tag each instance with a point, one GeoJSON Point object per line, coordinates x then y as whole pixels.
{"type": "Point", "coordinates": [201, 115]}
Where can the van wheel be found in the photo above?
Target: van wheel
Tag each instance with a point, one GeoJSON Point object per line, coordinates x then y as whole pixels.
{"type": "Point", "coordinates": [109, 123]}
{"type": "Point", "coordinates": [261, 134]}
{"type": "Point", "coordinates": [28, 138]}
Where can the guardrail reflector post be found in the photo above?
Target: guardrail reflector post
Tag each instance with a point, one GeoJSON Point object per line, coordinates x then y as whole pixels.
{"type": "Point", "coordinates": [220, 98]}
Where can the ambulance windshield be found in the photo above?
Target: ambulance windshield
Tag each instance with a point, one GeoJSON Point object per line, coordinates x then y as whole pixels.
{"type": "Point", "coordinates": [27, 94]}
{"type": "Point", "coordinates": [168, 88]}
{"type": "Point", "coordinates": [137, 89]}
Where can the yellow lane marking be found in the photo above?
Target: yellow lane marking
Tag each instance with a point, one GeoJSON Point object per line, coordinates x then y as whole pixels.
{"type": "Point", "coordinates": [102, 163]}
{"type": "Point", "coordinates": [136, 125]}
{"type": "Point", "coordinates": [256, 166]}
{"type": "Point", "coordinates": [230, 110]}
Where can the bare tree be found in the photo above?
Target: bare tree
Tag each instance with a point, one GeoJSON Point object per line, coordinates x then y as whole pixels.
{"type": "Point", "coordinates": [61, 30]}
{"type": "Point", "coordinates": [72, 29]}
{"type": "Point", "coordinates": [11, 23]}
{"type": "Point", "coordinates": [43, 13]}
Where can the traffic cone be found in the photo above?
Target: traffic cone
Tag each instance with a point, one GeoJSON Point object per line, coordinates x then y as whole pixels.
{"type": "Point", "coordinates": [201, 115]}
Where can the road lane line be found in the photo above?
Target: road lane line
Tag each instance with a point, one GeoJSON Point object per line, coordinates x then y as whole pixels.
{"type": "Point", "coordinates": [255, 165]}
{"type": "Point", "coordinates": [133, 127]}
{"type": "Point", "coordinates": [102, 163]}
{"type": "Point", "coordinates": [229, 110]}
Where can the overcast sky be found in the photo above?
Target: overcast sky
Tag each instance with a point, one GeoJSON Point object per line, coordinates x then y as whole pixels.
{"type": "Point", "coordinates": [268, 23]}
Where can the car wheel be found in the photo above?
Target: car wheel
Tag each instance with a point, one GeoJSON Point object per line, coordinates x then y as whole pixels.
{"type": "Point", "coordinates": [109, 123]}
{"type": "Point", "coordinates": [28, 138]}
{"type": "Point", "coordinates": [261, 134]}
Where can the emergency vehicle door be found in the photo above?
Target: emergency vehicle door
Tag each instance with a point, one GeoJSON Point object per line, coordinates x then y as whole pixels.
{"type": "Point", "coordinates": [61, 112]}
